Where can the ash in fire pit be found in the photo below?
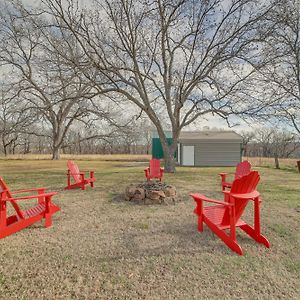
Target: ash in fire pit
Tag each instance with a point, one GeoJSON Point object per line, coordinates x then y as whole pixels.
{"type": "Point", "coordinates": [151, 192]}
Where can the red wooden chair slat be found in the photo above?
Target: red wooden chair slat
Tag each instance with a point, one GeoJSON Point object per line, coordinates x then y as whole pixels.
{"type": "Point", "coordinates": [24, 218]}
{"type": "Point", "coordinates": [154, 171]}
{"type": "Point", "coordinates": [80, 181]}
{"type": "Point", "coordinates": [242, 169]}
{"type": "Point", "coordinates": [227, 214]}
{"type": "Point", "coordinates": [74, 170]}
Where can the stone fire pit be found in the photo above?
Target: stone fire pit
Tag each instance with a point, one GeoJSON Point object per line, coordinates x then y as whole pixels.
{"type": "Point", "coordinates": [151, 192]}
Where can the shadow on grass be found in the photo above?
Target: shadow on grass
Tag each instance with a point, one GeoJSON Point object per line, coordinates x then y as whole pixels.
{"type": "Point", "coordinates": [178, 240]}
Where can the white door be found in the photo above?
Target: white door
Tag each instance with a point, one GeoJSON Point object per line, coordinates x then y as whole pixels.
{"type": "Point", "coordinates": [188, 156]}
{"type": "Point", "coordinates": [178, 153]}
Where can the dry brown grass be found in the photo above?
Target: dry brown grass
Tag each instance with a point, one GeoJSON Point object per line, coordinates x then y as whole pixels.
{"type": "Point", "coordinates": [269, 162]}
{"type": "Point", "coordinates": [255, 161]}
{"type": "Point", "coordinates": [99, 248]}
{"type": "Point", "coordinates": [101, 157]}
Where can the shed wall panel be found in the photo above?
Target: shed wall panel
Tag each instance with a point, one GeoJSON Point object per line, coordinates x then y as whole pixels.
{"type": "Point", "coordinates": [217, 154]}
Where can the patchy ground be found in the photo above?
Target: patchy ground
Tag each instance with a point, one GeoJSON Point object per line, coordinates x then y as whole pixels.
{"type": "Point", "coordinates": [99, 248]}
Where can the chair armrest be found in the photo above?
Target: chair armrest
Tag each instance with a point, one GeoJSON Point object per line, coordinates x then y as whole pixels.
{"type": "Point", "coordinates": [30, 190]}
{"type": "Point", "coordinates": [204, 198]}
{"type": "Point", "coordinates": [81, 173]}
{"type": "Point", "coordinates": [223, 174]}
{"type": "Point", "coordinates": [31, 197]}
{"type": "Point", "coordinates": [251, 196]}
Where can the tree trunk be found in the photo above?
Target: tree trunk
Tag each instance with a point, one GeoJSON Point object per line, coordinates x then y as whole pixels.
{"type": "Point", "coordinates": [4, 146]}
{"type": "Point", "coordinates": [14, 146]}
{"type": "Point", "coordinates": [276, 162]}
{"type": "Point", "coordinates": [128, 148]}
{"type": "Point", "coordinates": [56, 148]}
{"type": "Point", "coordinates": [170, 163]}
{"type": "Point", "coordinates": [5, 150]}
{"type": "Point", "coordinates": [169, 151]}
{"type": "Point", "coordinates": [64, 150]}
{"type": "Point", "coordinates": [26, 149]}
{"type": "Point", "coordinates": [57, 140]}
{"type": "Point", "coordinates": [55, 153]}
{"type": "Point", "coordinates": [39, 147]}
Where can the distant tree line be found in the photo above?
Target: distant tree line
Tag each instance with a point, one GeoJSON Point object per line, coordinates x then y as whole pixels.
{"type": "Point", "coordinates": [271, 142]}
{"type": "Point", "coordinates": [130, 140]}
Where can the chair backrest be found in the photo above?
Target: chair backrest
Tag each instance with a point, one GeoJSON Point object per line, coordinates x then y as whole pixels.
{"type": "Point", "coordinates": [154, 166]}
{"type": "Point", "coordinates": [244, 185]}
{"type": "Point", "coordinates": [4, 188]}
{"type": "Point", "coordinates": [242, 169]}
{"type": "Point", "coordinates": [74, 170]}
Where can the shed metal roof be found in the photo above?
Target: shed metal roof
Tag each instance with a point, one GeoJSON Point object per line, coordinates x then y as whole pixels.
{"type": "Point", "coordinates": [227, 135]}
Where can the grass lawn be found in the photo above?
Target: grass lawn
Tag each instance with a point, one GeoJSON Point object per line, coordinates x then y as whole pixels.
{"type": "Point", "coordinates": [100, 248]}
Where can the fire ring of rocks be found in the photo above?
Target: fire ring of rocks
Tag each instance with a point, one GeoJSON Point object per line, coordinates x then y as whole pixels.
{"type": "Point", "coordinates": [151, 192]}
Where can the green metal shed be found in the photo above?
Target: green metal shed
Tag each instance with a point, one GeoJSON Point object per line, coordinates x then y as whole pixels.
{"type": "Point", "coordinates": [157, 150]}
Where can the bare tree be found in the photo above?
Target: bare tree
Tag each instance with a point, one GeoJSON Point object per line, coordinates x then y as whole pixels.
{"type": "Point", "coordinates": [55, 90]}
{"type": "Point", "coordinates": [15, 119]}
{"type": "Point", "coordinates": [279, 79]}
{"type": "Point", "coordinates": [146, 131]}
{"type": "Point", "coordinates": [247, 136]}
{"type": "Point", "coordinates": [175, 60]}
{"type": "Point", "coordinates": [275, 143]}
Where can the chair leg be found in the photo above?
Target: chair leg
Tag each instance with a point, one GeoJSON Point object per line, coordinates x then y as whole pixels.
{"type": "Point", "coordinates": [226, 198]}
{"type": "Point", "coordinates": [48, 217]}
{"type": "Point", "coordinates": [92, 177]}
{"type": "Point", "coordinates": [69, 179]}
{"type": "Point", "coordinates": [2, 214]}
{"type": "Point", "coordinates": [255, 232]}
{"type": "Point", "coordinates": [199, 213]}
{"type": "Point", "coordinates": [257, 237]}
{"type": "Point", "coordinates": [232, 244]}
{"type": "Point", "coordinates": [200, 223]}
{"type": "Point", "coordinates": [48, 220]}
{"type": "Point", "coordinates": [41, 199]}
{"type": "Point", "coordinates": [232, 223]}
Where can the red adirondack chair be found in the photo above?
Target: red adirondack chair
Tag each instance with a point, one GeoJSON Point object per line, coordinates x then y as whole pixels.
{"type": "Point", "coordinates": [24, 218]}
{"type": "Point", "coordinates": [227, 214]}
{"type": "Point", "coordinates": [154, 170]}
{"type": "Point", "coordinates": [242, 169]}
{"type": "Point", "coordinates": [79, 177]}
